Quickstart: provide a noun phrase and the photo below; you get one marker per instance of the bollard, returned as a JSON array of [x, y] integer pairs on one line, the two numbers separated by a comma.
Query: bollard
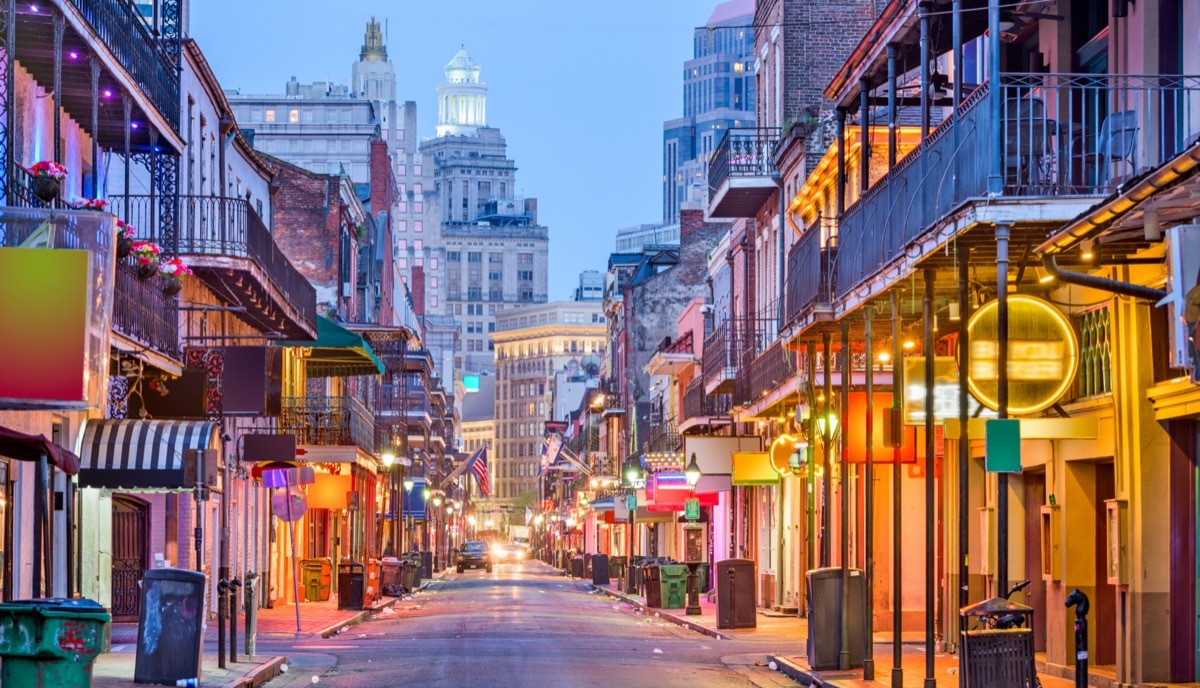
[[251, 602], [233, 603], [1080, 601], [222, 600]]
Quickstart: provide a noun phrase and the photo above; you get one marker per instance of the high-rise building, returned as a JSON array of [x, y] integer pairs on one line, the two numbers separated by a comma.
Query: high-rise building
[[718, 94], [493, 253], [533, 344], [591, 286]]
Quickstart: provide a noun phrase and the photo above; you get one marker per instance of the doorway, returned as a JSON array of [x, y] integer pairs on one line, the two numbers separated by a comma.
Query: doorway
[[130, 558], [1104, 606], [1035, 498]]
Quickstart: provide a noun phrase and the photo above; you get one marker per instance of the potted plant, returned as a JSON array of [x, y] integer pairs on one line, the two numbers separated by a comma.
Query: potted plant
[[146, 253], [98, 205], [125, 235], [47, 179], [174, 271]]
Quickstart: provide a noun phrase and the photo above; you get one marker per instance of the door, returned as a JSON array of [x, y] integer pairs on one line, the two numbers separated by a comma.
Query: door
[[1035, 498], [1103, 621], [130, 557]]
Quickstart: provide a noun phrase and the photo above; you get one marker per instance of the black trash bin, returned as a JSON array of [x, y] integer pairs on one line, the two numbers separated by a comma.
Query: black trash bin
[[737, 587], [351, 578], [426, 564], [996, 658], [600, 569], [170, 626], [653, 584], [824, 609], [577, 566], [616, 568]]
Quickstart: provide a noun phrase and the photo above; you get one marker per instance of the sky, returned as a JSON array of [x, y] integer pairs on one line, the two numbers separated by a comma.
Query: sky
[[579, 89]]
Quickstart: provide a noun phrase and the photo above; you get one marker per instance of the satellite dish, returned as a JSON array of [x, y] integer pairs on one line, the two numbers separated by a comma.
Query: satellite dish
[[279, 505]]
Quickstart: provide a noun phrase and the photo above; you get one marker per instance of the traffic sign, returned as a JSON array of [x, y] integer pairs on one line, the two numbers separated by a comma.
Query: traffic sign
[[631, 502]]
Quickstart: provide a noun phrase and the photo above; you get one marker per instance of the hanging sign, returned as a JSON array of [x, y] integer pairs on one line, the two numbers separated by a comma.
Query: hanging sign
[[691, 509], [631, 502], [1043, 354], [285, 511]]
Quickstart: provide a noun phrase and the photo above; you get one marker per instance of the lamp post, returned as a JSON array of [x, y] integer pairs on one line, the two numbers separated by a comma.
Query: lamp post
[[427, 493], [692, 473], [437, 536], [633, 473], [407, 541], [389, 459]]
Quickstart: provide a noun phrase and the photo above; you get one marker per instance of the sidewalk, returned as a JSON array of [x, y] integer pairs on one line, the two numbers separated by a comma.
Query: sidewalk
[[791, 633], [115, 670]]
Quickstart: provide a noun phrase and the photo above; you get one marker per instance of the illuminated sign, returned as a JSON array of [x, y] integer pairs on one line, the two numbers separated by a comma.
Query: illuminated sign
[[945, 391], [1042, 354]]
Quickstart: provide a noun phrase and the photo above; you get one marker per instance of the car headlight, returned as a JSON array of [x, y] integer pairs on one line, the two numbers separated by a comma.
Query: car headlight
[[519, 554], [497, 551]]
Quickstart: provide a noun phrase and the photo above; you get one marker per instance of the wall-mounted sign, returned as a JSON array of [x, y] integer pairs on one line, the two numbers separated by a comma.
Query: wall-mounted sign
[[945, 391], [1043, 354]]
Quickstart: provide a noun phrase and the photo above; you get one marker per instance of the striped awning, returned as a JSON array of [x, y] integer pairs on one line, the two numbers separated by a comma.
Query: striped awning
[[141, 453]]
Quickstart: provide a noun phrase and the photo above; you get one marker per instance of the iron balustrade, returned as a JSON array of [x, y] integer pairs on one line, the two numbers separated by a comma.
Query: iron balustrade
[[328, 421], [699, 404], [216, 226], [142, 313], [742, 152], [809, 275], [125, 34], [769, 370], [721, 359]]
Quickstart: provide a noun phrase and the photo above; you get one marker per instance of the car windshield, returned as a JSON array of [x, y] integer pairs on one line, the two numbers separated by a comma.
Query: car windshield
[[474, 547]]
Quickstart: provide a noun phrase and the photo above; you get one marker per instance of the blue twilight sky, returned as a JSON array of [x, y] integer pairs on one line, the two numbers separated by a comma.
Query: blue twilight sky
[[579, 89]]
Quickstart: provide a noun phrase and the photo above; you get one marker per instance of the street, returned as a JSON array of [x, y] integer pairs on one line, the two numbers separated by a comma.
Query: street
[[522, 625]]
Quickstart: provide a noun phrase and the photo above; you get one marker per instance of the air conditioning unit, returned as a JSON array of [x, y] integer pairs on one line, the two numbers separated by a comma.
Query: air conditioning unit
[[1183, 271]]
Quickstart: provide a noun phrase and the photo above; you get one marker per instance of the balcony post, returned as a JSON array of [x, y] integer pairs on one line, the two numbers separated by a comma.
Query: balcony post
[[844, 489], [995, 170], [59, 27], [956, 92], [841, 162], [827, 440], [6, 95], [964, 416], [925, 58], [810, 370], [95, 65], [930, 470], [897, 493], [127, 106], [869, 497], [864, 136], [891, 106], [1002, 237]]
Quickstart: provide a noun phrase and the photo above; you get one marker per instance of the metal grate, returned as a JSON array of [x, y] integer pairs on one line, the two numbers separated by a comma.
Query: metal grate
[[1095, 360]]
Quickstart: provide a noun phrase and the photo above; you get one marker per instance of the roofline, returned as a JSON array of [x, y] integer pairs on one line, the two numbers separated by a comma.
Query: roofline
[[213, 86], [893, 11]]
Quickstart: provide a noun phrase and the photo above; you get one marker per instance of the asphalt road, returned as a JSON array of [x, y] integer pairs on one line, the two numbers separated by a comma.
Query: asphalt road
[[522, 625]]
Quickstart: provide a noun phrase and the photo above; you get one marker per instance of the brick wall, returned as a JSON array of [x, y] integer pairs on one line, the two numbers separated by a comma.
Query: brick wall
[[384, 195]]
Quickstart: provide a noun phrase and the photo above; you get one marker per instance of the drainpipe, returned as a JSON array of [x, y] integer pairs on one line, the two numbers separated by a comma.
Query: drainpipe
[[1137, 291]]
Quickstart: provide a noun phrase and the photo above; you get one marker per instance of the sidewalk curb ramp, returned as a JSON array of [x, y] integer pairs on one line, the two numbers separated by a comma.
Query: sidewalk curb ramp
[[663, 614], [259, 675]]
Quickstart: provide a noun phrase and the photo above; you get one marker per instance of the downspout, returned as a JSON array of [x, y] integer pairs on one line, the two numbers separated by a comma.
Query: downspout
[[1137, 291], [779, 315]]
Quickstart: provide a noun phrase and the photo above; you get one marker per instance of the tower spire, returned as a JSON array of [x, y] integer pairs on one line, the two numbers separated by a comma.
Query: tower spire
[[373, 49]]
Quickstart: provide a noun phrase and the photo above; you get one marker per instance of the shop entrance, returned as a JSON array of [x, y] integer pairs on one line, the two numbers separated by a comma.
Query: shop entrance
[[130, 558]]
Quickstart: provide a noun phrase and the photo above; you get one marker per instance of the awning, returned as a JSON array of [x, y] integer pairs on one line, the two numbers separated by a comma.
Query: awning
[[602, 504], [141, 453], [338, 352], [22, 447]]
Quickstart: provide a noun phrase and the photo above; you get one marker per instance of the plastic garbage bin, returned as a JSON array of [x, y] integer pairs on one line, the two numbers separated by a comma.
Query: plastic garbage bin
[[372, 592], [316, 578], [351, 586], [577, 566], [417, 564], [616, 567], [391, 577], [653, 584], [824, 609], [51, 642], [170, 627], [673, 585], [736, 587]]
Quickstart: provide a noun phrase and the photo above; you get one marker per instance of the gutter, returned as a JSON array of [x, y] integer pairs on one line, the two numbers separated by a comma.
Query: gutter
[[1137, 291]]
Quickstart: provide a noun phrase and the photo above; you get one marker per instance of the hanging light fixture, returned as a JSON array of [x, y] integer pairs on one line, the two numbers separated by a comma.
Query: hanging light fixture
[[692, 472]]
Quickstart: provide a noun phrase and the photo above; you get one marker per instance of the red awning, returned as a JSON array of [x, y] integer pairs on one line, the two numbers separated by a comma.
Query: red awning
[[22, 447], [673, 500]]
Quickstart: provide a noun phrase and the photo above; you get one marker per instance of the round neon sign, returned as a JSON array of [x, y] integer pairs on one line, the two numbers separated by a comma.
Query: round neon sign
[[1043, 354]]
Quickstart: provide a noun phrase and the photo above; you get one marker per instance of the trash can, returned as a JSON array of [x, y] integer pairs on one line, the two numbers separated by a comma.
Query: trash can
[[170, 626], [616, 567], [51, 641], [600, 569], [316, 577], [673, 585], [702, 572], [996, 658], [824, 609], [577, 566], [416, 569], [350, 585], [373, 585], [391, 581], [426, 564], [652, 584], [737, 587]]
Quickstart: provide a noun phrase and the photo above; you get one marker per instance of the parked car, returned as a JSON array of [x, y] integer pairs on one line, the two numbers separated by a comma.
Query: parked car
[[474, 555]]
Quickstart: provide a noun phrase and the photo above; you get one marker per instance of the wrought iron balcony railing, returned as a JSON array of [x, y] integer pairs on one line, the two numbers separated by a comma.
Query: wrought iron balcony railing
[[742, 153], [721, 361], [143, 314], [220, 227], [328, 421], [809, 274], [151, 62], [699, 404], [769, 370]]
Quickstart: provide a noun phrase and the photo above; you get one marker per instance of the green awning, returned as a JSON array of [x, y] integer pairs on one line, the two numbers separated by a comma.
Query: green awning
[[338, 352]]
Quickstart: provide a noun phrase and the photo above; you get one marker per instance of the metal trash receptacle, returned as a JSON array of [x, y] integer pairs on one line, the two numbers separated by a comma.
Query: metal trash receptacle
[[824, 609], [996, 658], [426, 564], [600, 569], [673, 585], [736, 582], [391, 581], [170, 626], [51, 641], [577, 566], [351, 585], [616, 567], [653, 584], [316, 578]]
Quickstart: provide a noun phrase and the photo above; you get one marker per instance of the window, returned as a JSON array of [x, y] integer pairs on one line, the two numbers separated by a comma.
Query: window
[[526, 295], [417, 188], [418, 207], [495, 257], [418, 245], [433, 263], [491, 327], [402, 244], [308, 118], [402, 225], [270, 114], [418, 226], [454, 256], [433, 300], [495, 295], [293, 116], [495, 276], [433, 282], [525, 275], [474, 257], [416, 168], [402, 263]]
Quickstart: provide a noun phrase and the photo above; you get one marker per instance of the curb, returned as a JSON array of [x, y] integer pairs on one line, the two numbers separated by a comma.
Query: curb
[[799, 673], [356, 619], [677, 620], [259, 675]]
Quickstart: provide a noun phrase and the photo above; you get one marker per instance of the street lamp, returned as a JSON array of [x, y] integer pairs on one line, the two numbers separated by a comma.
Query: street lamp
[[827, 425], [633, 472], [692, 472], [388, 459]]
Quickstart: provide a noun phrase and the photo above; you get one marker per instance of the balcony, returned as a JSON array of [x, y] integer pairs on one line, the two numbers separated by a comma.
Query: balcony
[[741, 173], [328, 421], [1067, 139], [699, 406], [226, 243], [143, 315], [810, 279], [722, 359]]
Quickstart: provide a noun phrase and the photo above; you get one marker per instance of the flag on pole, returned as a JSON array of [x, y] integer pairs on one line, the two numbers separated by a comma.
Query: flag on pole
[[528, 515], [479, 466], [551, 446]]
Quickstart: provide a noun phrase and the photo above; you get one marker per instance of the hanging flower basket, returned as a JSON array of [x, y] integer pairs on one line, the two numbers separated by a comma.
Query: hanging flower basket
[[172, 287], [146, 254], [47, 179], [98, 205], [145, 272], [174, 271], [125, 234]]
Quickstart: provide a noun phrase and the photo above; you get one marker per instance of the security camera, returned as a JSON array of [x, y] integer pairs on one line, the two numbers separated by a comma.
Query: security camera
[[706, 308]]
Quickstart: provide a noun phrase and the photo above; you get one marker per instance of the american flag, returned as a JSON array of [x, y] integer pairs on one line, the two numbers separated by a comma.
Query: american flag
[[478, 464]]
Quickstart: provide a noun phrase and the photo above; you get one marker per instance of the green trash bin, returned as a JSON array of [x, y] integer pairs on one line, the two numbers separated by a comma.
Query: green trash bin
[[673, 579], [51, 642], [316, 577]]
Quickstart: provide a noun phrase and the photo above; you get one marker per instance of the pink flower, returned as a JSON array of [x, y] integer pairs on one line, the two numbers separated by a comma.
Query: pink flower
[[175, 269], [96, 204], [48, 168], [125, 231], [146, 252]]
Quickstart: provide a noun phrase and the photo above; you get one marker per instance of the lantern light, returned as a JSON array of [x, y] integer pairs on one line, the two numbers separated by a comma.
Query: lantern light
[[692, 472]]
